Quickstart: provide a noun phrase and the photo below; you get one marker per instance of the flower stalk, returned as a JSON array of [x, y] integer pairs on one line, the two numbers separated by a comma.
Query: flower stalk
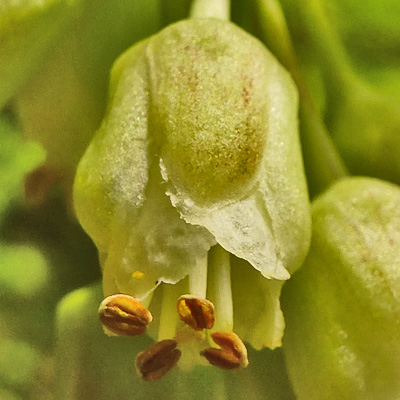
[[219, 9], [363, 122]]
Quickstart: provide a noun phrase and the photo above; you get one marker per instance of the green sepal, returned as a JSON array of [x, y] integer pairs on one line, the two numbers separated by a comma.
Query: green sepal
[[231, 167]]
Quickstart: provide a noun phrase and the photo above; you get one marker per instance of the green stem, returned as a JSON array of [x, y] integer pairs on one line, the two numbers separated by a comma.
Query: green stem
[[275, 33], [335, 62], [322, 161], [219, 9]]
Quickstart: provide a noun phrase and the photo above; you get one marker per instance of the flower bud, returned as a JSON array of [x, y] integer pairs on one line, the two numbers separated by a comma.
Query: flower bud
[[342, 308]]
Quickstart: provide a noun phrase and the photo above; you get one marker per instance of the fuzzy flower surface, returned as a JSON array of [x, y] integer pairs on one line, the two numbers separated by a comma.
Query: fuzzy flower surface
[[194, 182]]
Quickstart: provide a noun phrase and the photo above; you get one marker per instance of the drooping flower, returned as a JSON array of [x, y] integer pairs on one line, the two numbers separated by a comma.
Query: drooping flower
[[194, 186]]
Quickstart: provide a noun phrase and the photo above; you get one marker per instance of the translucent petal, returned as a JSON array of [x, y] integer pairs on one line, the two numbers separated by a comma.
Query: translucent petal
[[258, 317]]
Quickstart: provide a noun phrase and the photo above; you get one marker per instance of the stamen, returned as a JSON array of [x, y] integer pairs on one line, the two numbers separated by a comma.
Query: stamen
[[168, 317], [196, 312], [231, 355], [198, 277], [157, 360], [220, 358], [124, 315], [220, 291], [230, 341]]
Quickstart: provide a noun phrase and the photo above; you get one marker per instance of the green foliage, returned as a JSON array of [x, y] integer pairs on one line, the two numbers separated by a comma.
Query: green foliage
[[18, 362], [28, 29], [24, 271], [17, 158]]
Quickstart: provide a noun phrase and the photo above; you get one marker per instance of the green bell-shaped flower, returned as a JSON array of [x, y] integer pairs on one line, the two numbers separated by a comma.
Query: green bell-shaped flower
[[343, 307], [198, 159]]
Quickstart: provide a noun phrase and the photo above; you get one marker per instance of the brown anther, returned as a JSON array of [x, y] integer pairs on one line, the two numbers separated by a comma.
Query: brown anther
[[221, 358], [231, 355], [158, 359], [196, 312], [124, 315]]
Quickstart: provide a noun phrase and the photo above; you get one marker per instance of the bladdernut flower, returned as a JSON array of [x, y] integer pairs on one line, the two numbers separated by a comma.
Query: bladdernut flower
[[343, 307], [194, 185]]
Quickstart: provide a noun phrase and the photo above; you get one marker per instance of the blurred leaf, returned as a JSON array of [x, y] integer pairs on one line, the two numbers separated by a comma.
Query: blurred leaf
[[7, 395], [17, 157], [18, 362], [28, 28], [368, 27], [24, 271]]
